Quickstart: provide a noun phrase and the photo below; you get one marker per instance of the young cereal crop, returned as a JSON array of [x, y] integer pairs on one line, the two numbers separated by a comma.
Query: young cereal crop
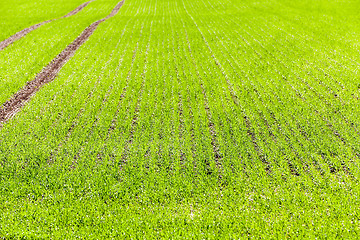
[[180, 119]]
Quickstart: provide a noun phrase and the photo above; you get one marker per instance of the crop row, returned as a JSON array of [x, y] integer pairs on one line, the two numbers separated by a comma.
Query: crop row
[[194, 119]]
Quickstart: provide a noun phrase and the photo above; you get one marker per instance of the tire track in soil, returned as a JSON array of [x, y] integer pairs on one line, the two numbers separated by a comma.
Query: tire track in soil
[[54, 124], [76, 120], [57, 118], [48, 74], [105, 97], [4, 44]]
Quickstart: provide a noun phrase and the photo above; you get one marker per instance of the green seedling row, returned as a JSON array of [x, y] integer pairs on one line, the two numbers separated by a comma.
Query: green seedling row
[[183, 119]]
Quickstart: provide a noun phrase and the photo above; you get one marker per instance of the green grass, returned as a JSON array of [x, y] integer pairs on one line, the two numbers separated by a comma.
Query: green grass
[[189, 119], [25, 58], [17, 15]]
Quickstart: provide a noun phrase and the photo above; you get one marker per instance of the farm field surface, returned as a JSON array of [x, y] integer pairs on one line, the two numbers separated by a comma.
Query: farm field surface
[[17, 15], [180, 119]]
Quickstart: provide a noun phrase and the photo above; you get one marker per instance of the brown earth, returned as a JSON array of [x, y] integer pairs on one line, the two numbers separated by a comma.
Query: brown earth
[[48, 74], [25, 31]]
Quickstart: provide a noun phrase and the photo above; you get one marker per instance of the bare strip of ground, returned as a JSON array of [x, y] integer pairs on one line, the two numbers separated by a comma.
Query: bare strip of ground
[[25, 31], [48, 74]]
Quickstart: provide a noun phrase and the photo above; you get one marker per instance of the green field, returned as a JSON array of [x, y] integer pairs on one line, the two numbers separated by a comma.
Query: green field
[[228, 119]]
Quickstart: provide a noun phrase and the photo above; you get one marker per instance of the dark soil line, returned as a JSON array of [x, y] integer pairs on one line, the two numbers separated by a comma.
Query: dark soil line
[[216, 149], [235, 100], [76, 120], [192, 133], [182, 128], [305, 167], [122, 96], [57, 119], [76, 10], [320, 97], [114, 121], [212, 129], [291, 166], [134, 123], [316, 93], [331, 127], [108, 92], [48, 74], [74, 123], [345, 168], [256, 146], [181, 120], [25, 31]]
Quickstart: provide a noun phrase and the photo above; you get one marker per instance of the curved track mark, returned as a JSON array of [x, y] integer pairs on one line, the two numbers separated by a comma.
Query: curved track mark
[[48, 74], [25, 31]]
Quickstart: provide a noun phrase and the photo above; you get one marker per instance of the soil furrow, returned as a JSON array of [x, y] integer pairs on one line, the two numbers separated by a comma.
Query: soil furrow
[[48, 74], [90, 94], [25, 31], [114, 121]]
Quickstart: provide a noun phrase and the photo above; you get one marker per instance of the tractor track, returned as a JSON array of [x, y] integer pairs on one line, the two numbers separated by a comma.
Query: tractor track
[[4, 44], [48, 74]]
